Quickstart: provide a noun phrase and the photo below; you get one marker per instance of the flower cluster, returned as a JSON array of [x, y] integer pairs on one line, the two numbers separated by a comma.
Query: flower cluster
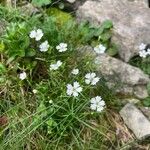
[[37, 35], [72, 89], [143, 52]]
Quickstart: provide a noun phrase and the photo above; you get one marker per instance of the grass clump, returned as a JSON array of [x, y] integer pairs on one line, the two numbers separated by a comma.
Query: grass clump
[[44, 105]]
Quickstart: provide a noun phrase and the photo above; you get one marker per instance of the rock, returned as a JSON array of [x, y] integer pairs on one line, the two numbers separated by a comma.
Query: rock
[[130, 100], [146, 111], [127, 79], [71, 1], [123, 78], [72, 5], [131, 22], [140, 3], [29, 9], [136, 121], [140, 91]]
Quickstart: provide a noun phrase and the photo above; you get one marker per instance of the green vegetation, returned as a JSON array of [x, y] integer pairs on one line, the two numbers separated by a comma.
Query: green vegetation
[[36, 111]]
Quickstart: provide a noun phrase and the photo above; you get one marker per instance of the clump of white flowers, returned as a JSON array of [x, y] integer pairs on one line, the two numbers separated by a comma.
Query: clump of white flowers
[[100, 49], [62, 47], [74, 89], [91, 78], [97, 104], [36, 34], [44, 46], [23, 75], [75, 71], [56, 65], [143, 52]]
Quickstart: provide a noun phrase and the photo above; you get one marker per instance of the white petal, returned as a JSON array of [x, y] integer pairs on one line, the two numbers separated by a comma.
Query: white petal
[[79, 89], [88, 75], [93, 100], [75, 94], [87, 81], [59, 63], [69, 92], [76, 85], [39, 34], [101, 103], [69, 86], [32, 34], [142, 46], [93, 106], [93, 75], [95, 80], [99, 109], [98, 99]]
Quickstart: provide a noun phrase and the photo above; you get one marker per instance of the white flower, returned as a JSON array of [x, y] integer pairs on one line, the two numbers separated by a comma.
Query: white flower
[[74, 89], [75, 71], [100, 49], [143, 53], [62, 47], [44, 46], [97, 103], [22, 75], [34, 91], [55, 66], [148, 51], [142, 46], [37, 34], [91, 78]]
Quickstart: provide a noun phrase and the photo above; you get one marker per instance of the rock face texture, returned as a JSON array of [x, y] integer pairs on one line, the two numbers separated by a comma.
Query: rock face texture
[[131, 19], [127, 79], [123, 78], [136, 121]]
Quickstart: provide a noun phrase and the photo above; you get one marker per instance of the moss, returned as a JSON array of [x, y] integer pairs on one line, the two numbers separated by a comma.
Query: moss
[[60, 16]]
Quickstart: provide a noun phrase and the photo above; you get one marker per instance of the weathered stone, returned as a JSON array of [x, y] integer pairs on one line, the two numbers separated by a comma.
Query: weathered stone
[[29, 9], [136, 121], [127, 79], [140, 3], [126, 73], [146, 111], [123, 78], [131, 22], [71, 1], [140, 91]]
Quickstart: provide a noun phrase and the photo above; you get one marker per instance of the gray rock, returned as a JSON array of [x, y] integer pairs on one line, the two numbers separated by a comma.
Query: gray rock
[[131, 22], [136, 121], [127, 79], [146, 111], [71, 1], [121, 77], [29, 9]]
